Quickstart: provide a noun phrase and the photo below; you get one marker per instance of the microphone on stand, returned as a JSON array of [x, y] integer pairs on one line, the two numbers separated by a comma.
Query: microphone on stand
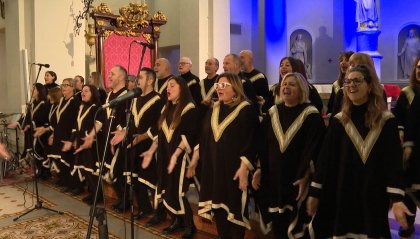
[[148, 45], [128, 96], [44, 65]]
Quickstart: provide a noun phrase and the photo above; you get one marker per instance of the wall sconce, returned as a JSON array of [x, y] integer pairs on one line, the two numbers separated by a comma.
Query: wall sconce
[[90, 36]]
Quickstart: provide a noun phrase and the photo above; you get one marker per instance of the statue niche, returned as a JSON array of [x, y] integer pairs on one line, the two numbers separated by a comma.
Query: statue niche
[[301, 49], [408, 50]]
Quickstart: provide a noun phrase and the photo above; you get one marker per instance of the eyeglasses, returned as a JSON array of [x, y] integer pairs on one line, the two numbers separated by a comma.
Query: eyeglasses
[[356, 81], [184, 63], [221, 85], [65, 85]]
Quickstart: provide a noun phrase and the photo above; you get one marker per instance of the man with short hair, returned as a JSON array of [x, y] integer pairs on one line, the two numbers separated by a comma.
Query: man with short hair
[[258, 79], [146, 111], [114, 158], [232, 64], [207, 89], [184, 69], [131, 82], [162, 68]]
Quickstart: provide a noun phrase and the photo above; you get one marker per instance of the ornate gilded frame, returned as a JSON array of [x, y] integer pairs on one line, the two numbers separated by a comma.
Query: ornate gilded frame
[[134, 20]]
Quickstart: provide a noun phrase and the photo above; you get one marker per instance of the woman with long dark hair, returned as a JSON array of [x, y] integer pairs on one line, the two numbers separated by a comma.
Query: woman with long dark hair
[[338, 84], [359, 170], [83, 135], [36, 116], [407, 112], [227, 155], [44, 131], [177, 132]]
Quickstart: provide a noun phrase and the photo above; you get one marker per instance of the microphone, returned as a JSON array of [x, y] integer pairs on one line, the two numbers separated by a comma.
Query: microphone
[[44, 65], [127, 96], [148, 45]]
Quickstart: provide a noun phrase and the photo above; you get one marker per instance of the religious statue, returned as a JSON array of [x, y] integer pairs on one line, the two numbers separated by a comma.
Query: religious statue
[[298, 49], [366, 14], [409, 52]]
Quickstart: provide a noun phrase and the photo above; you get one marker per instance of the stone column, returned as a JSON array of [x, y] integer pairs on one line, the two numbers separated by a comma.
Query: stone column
[[367, 42]]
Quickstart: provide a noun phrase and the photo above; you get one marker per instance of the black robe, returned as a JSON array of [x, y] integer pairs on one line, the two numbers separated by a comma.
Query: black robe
[[259, 82], [38, 117], [249, 91], [359, 171], [171, 188], [272, 98], [403, 104], [330, 107], [160, 87], [412, 139], [292, 139], [146, 112], [66, 115], [193, 84], [208, 93], [113, 161], [87, 159], [227, 139], [52, 120], [102, 95], [50, 86]]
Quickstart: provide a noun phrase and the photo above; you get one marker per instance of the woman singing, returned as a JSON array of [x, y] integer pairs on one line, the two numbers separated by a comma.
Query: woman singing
[[359, 169], [293, 133], [176, 136], [83, 135], [37, 116], [227, 152]]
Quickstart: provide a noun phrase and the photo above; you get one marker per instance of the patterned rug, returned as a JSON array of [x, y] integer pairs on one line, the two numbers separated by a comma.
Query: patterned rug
[[54, 226], [156, 230], [17, 176], [15, 199]]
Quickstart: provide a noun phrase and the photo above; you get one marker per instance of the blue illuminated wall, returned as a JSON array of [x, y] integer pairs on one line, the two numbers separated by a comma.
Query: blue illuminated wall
[[332, 26], [283, 17], [275, 36], [393, 17]]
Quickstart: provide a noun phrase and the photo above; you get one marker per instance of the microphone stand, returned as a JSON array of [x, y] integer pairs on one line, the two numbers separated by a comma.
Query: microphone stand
[[100, 212], [38, 204], [128, 139]]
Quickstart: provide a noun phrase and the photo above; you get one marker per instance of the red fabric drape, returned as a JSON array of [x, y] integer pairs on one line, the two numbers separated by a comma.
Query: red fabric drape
[[116, 51]]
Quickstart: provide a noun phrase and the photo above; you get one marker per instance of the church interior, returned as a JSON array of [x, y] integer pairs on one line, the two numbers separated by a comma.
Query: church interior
[[78, 37]]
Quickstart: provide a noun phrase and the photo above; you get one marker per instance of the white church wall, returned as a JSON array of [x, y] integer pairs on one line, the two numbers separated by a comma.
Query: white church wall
[[55, 41]]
